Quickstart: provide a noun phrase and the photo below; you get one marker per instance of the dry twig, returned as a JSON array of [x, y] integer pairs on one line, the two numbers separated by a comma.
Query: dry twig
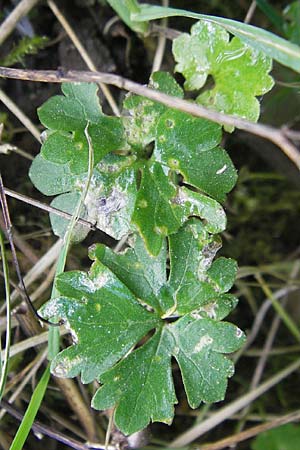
[[274, 135], [45, 207]]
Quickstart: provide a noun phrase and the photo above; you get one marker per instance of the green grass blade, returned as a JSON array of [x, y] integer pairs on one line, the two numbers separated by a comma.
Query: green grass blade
[[4, 363], [285, 317], [31, 412], [271, 13], [283, 51], [53, 341], [124, 10]]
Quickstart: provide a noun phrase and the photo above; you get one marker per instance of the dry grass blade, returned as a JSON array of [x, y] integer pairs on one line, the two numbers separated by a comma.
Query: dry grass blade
[[83, 53], [11, 21], [251, 432], [39, 268], [233, 407], [8, 231], [38, 362], [20, 115]]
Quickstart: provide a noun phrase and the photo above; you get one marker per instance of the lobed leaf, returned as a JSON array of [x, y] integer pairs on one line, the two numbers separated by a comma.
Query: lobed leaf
[[112, 195], [140, 386], [143, 114], [156, 215], [117, 201], [107, 312], [272, 45], [189, 145], [143, 274], [66, 118], [195, 280], [195, 283], [199, 347], [51, 178], [68, 203], [240, 73], [105, 318]]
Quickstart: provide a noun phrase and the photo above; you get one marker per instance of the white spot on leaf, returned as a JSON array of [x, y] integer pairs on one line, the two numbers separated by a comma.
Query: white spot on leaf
[[239, 333], [204, 342], [222, 170]]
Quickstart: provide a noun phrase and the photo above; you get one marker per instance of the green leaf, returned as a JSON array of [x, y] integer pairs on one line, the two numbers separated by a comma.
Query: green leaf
[[118, 200], [143, 274], [51, 178], [240, 73], [292, 19], [286, 437], [199, 347], [271, 13], [112, 195], [126, 295], [67, 116], [186, 145], [274, 46], [208, 209], [195, 280], [218, 309], [189, 145], [141, 386], [124, 10], [110, 200], [223, 273], [67, 203], [105, 318], [156, 214], [140, 125]]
